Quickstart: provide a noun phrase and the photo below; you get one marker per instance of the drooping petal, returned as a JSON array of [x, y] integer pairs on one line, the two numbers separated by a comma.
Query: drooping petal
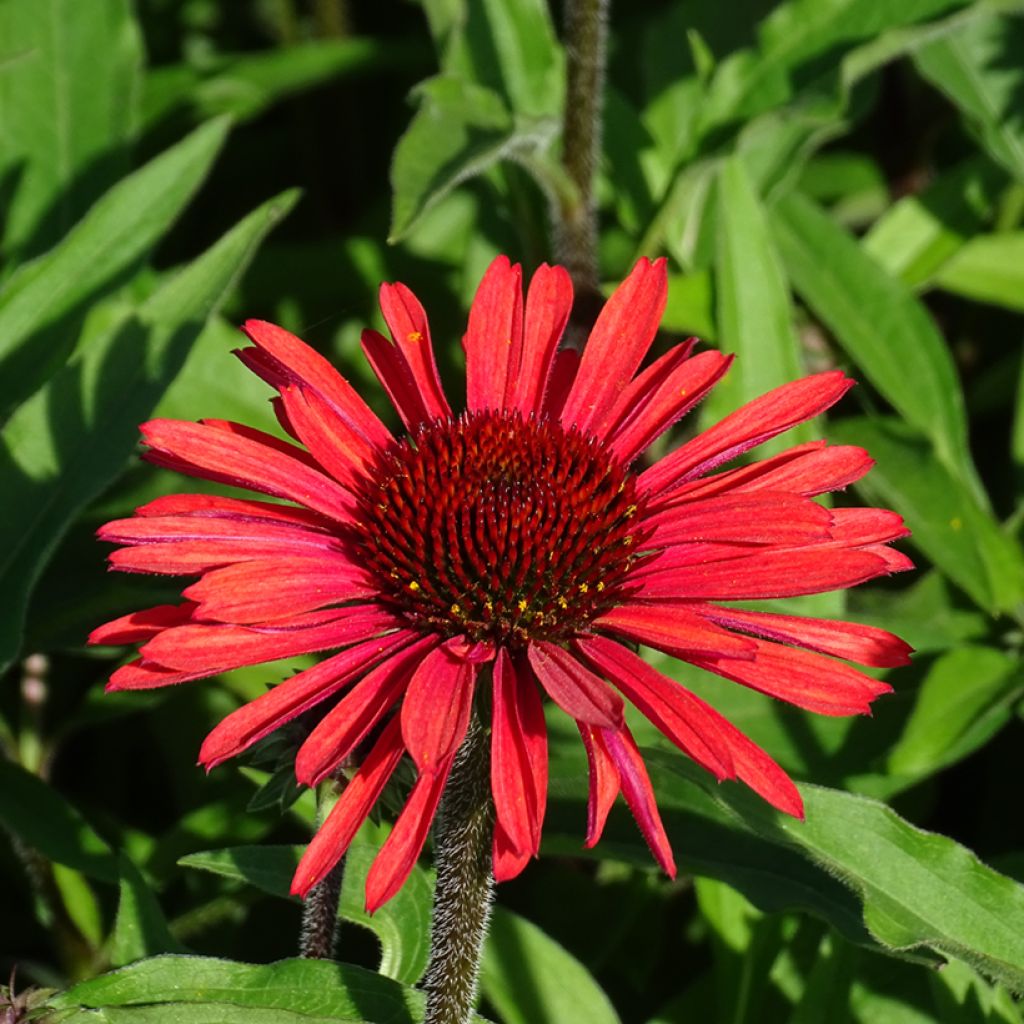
[[137, 627], [276, 588], [200, 450], [494, 337], [666, 401], [756, 517], [436, 708], [860, 527], [217, 647], [804, 678], [674, 629], [142, 675], [866, 645], [618, 343], [348, 723], [519, 755], [508, 862], [548, 304], [291, 698], [398, 855], [604, 783], [678, 714], [292, 361], [575, 689], [749, 426], [636, 788], [352, 808], [242, 510]]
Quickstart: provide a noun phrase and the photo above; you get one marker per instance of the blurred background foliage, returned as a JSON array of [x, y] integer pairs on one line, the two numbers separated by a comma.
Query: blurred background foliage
[[835, 183]]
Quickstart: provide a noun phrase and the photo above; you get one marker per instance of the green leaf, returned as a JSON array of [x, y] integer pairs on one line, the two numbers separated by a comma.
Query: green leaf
[[947, 521], [989, 268], [531, 979], [41, 818], [245, 84], [690, 309], [320, 988], [460, 131], [140, 929], [73, 437], [402, 925], [919, 233], [882, 327], [977, 69], [966, 696], [41, 304], [755, 320], [67, 111]]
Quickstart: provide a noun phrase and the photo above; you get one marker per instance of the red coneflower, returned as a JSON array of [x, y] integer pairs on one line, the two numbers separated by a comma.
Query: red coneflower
[[519, 544]]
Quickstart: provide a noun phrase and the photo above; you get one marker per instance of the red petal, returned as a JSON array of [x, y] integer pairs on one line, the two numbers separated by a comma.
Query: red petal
[[237, 509], [396, 377], [276, 588], [407, 322], [673, 629], [604, 783], [142, 675], [636, 788], [294, 362], [758, 517], [548, 303], [519, 755], [251, 722], [650, 412], [209, 649], [494, 337], [618, 343], [345, 726], [508, 862], [348, 814], [751, 425], [676, 712], [803, 678], [212, 454], [863, 644], [854, 527], [332, 441], [762, 574], [398, 855], [575, 689], [139, 626], [435, 711], [563, 373]]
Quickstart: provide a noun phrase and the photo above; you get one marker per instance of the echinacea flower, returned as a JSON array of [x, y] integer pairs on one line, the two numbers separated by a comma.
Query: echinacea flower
[[519, 545]]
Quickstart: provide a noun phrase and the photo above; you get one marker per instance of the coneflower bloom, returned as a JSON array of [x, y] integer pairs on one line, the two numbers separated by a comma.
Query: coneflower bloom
[[520, 545]]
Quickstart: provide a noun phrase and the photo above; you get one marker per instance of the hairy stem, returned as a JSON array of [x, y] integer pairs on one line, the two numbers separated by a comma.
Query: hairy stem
[[320, 916], [465, 883], [586, 23]]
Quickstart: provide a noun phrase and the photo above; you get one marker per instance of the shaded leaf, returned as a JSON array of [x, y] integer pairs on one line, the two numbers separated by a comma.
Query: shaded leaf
[[72, 438], [140, 929], [988, 268]]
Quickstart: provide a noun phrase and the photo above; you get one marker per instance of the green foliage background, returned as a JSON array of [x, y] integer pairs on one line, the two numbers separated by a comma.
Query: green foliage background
[[835, 183]]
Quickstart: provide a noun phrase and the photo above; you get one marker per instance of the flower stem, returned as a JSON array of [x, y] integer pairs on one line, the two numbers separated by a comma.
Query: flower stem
[[320, 916], [465, 883], [586, 23]]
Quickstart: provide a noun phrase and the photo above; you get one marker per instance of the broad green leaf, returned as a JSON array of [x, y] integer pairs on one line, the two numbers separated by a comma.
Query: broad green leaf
[[67, 111], [402, 925], [690, 308], [140, 929], [41, 818], [72, 438], [988, 268], [965, 697], [41, 304], [919, 233], [976, 70], [320, 988], [244, 85], [80, 903], [882, 327], [200, 1013], [946, 520], [755, 320], [531, 979]]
